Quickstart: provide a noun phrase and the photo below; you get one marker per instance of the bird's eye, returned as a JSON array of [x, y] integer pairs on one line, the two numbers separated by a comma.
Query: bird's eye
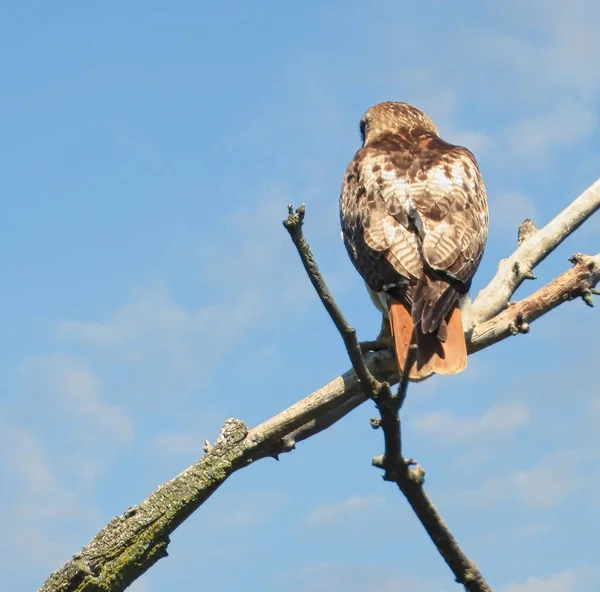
[[363, 127]]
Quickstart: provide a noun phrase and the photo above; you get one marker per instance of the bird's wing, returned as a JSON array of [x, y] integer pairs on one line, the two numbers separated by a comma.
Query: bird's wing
[[450, 210], [375, 226]]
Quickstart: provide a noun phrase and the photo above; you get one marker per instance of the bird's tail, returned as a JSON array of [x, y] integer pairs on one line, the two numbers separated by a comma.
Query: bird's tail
[[433, 355], [403, 332]]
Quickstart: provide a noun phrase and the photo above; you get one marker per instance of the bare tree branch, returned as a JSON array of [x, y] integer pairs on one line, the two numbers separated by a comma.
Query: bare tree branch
[[396, 467], [514, 270], [131, 543], [293, 225], [579, 281]]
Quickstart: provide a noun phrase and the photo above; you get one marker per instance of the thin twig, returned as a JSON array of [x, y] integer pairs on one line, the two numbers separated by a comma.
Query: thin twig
[[293, 224], [396, 467]]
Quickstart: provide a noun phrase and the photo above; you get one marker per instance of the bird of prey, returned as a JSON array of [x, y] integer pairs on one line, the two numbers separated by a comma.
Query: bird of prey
[[414, 219]]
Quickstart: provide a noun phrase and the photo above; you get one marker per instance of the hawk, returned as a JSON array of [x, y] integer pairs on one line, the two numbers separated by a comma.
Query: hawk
[[414, 219]]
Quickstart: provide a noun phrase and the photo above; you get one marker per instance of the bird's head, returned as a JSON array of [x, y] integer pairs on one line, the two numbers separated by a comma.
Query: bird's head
[[393, 118]]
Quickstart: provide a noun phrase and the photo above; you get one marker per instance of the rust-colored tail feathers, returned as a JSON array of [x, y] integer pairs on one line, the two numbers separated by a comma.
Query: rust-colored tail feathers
[[444, 357]]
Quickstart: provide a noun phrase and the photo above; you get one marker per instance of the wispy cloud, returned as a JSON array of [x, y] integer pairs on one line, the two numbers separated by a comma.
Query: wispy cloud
[[509, 209], [534, 529], [246, 278], [566, 581], [40, 508], [541, 487], [344, 510], [532, 140], [155, 328], [499, 421], [246, 509], [332, 577], [76, 389], [180, 443], [540, 84]]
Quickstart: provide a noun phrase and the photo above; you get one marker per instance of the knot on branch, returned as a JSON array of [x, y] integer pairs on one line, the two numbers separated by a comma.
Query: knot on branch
[[527, 273], [232, 433], [286, 444], [592, 276], [132, 511], [584, 260], [520, 325], [526, 229], [416, 472]]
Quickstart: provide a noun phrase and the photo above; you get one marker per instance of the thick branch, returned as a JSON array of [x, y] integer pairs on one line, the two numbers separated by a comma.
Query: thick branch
[[534, 249], [131, 543]]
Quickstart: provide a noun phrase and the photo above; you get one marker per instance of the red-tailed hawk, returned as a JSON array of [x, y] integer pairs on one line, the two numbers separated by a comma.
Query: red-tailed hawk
[[414, 220]]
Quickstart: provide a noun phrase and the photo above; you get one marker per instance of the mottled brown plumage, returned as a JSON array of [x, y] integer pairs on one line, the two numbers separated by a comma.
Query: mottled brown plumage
[[414, 220]]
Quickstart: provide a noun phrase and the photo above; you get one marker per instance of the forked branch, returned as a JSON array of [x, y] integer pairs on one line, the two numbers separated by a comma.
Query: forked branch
[[533, 249]]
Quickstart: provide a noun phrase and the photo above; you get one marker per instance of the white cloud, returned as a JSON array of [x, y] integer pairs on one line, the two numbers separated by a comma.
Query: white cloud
[[331, 577], [356, 505], [565, 581], [499, 421], [542, 487], [40, 507], [509, 209], [151, 313], [74, 387], [155, 328], [246, 509], [529, 75], [546, 485], [24, 458], [249, 274], [53, 462], [548, 65], [532, 139], [534, 529], [176, 443], [187, 444]]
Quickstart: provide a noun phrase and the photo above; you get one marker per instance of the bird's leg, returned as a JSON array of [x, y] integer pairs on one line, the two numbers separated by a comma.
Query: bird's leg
[[384, 340]]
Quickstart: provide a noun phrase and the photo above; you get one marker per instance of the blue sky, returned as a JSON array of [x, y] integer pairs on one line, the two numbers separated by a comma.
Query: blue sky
[[149, 291]]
